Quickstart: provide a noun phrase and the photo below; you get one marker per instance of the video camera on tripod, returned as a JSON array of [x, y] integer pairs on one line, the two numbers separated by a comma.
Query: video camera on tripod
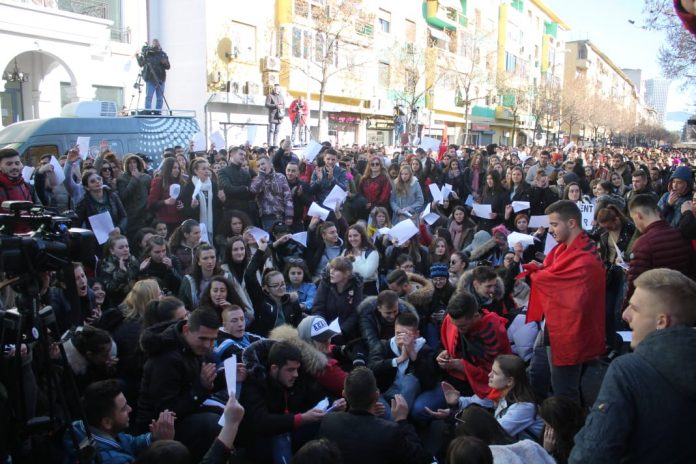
[[49, 244]]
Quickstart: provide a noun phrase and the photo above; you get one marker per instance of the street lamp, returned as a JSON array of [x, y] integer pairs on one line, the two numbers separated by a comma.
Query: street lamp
[[15, 75]]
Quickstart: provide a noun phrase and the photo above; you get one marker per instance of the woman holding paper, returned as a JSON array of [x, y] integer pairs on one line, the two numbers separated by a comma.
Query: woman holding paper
[[494, 195], [406, 197], [364, 256], [520, 191], [97, 200], [165, 190], [201, 198]]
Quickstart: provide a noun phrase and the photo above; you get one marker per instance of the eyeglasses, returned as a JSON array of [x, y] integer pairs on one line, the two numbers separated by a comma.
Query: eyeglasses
[[106, 169]]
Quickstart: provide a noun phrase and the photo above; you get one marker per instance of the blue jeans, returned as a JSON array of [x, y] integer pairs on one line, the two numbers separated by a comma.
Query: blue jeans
[[408, 387], [431, 333], [150, 89], [433, 399]]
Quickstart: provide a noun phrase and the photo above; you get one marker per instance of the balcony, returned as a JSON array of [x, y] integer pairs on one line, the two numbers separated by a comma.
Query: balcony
[[582, 64]]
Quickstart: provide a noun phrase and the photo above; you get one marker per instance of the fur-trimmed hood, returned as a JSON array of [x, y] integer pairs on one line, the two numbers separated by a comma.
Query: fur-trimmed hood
[[313, 360], [423, 290], [78, 363], [482, 251], [139, 160], [465, 284]]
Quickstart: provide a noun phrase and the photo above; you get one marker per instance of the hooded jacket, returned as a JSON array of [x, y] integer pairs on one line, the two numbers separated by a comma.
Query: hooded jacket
[[171, 375], [371, 322], [330, 304], [645, 408], [324, 369], [672, 213], [133, 192], [484, 341], [270, 408]]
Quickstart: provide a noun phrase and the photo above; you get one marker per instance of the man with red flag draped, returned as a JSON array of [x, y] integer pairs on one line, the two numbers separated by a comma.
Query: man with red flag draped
[[568, 291]]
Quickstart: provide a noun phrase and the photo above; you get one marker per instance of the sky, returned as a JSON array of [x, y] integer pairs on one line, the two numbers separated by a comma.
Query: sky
[[606, 24]]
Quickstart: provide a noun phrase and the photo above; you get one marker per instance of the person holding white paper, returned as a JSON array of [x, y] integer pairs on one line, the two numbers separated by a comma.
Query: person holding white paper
[[324, 243], [493, 194], [12, 185], [519, 190], [365, 258], [46, 180], [167, 209], [100, 199], [324, 178], [406, 199], [207, 202]]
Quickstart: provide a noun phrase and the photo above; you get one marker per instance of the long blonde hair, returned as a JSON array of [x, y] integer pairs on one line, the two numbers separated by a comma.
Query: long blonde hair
[[401, 187], [143, 292]]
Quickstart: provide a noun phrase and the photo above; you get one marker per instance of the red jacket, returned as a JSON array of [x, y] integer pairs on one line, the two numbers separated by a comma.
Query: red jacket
[[659, 246], [303, 114], [377, 190], [155, 203], [569, 292], [484, 342]]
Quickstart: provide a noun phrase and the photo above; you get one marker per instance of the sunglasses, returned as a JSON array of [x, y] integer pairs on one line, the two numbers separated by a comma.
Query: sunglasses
[[106, 168], [295, 260], [375, 164], [276, 285]]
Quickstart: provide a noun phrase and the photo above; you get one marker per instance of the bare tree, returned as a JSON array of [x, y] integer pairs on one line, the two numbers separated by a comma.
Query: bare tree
[[514, 95], [574, 105], [342, 38], [677, 56], [545, 105]]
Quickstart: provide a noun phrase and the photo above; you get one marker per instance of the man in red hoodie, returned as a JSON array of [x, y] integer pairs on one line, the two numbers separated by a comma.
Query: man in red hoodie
[[568, 290], [472, 339]]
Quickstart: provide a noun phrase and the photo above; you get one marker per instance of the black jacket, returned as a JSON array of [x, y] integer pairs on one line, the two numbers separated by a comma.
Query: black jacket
[[168, 277], [330, 304], [316, 246], [235, 182], [423, 368], [300, 201], [539, 199], [270, 409], [111, 203], [266, 310], [171, 375], [366, 439], [371, 322]]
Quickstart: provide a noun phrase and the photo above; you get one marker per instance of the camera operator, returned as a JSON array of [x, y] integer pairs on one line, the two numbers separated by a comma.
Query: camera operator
[[12, 185], [276, 112], [299, 111], [154, 62]]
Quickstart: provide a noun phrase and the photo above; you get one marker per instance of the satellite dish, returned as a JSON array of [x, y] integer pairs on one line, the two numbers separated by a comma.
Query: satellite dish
[[224, 49]]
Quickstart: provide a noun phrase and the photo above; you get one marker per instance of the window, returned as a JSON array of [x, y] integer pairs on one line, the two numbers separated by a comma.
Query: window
[[383, 74], [107, 93], [510, 62], [319, 47], [296, 42], [306, 44], [582, 52], [410, 31], [384, 21]]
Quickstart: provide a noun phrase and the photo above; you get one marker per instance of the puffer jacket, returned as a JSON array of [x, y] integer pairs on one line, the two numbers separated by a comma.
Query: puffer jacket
[[371, 323], [325, 369], [171, 375], [133, 192], [330, 304]]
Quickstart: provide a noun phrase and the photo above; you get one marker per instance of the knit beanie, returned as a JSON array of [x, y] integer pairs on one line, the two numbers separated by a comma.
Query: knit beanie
[[439, 270]]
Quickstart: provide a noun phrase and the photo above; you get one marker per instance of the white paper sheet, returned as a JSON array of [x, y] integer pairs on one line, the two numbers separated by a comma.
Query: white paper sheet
[[626, 335], [550, 244], [57, 170], [587, 210], [27, 171], [317, 211], [311, 151], [322, 405], [259, 234], [446, 190], [469, 201], [620, 259], [538, 221], [524, 239], [301, 238], [403, 231], [231, 374], [204, 232], [383, 231], [102, 225], [523, 157], [335, 197], [198, 141], [83, 144], [482, 211], [436, 193], [429, 217], [174, 191], [429, 143], [217, 139], [518, 206]]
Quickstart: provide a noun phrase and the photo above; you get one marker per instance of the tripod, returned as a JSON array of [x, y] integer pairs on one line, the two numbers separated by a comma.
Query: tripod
[[137, 85], [33, 328], [149, 75]]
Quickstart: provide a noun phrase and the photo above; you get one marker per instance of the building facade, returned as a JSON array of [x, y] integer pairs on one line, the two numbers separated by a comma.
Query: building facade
[[656, 94]]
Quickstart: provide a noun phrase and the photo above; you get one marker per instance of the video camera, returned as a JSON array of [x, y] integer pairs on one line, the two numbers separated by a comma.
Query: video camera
[[147, 50], [49, 243]]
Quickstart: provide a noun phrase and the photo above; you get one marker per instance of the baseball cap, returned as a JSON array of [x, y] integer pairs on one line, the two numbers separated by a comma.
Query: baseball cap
[[320, 330]]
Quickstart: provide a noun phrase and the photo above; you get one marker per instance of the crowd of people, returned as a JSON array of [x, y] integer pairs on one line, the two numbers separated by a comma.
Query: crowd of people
[[449, 309]]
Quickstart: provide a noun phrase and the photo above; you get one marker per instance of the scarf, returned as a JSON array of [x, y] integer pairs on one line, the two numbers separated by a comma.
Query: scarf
[[457, 232], [205, 200]]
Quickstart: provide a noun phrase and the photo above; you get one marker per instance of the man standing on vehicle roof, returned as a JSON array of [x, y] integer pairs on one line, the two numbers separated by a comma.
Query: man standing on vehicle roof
[[154, 62]]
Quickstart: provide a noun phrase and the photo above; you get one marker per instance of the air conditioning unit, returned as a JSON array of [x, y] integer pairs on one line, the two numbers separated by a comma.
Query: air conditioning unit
[[270, 63], [90, 109], [252, 88], [271, 78]]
